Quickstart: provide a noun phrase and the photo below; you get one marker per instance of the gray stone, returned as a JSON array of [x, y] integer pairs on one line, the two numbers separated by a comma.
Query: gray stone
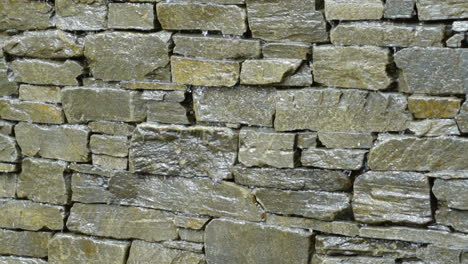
[[306, 140], [332, 139], [83, 104], [9, 152], [205, 72], [131, 16], [21, 260], [153, 85], [293, 179], [343, 159], [8, 185], [462, 118], [190, 222], [352, 67], [68, 142], [168, 112], [46, 71], [447, 175], [81, 15], [70, 248], [44, 180], [186, 151], [194, 196], [19, 110], [438, 75], [9, 88], [87, 188], [24, 243], [111, 128], [25, 15], [439, 10], [454, 218], [302, 77], [433, 107], [216, 47], [318, 259], [6, 127], [388, 34], [434, 127], [191, 235], [233, 242], [9, 167], [397, 197], [44, 44], [340, 110], [453, 193], [23, 214], [90, 169], [419, 154], [162, 95], [456, 41], [297, 20], [122, 222], [144, 252], [116, 56], [267, 71], [184, 245], [399, 9], [49, 94], [299, 51], [460, 26], [434, 254], [354, 9], [110, 162], [116, 146], [265, 147], [229, 19], [312, 204]]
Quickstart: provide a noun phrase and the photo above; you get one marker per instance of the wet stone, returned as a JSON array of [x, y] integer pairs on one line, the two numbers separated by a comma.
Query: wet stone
[[24, 243], [455, 218], [116, 146], [9, 151], [46, 71], [168, 112], [440, 10], [453, 193], [110, 162], [87, 188], [144, 252], [25, 15], [267, 71], [81, 15], [299, 51], [462, 118], [38, 112], [111, 128], [434, 127], [342, 159], [346, 139], [399, 9], [50, 94], [8, 185], [131, 16], [433, 107], [353, 9]]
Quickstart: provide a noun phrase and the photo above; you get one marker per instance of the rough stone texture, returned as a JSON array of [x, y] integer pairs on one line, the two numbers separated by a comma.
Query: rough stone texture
[[462, 118], [9, 152], [286, 50], [81, 15], [340, 110], [189, 222], [111, 128], [456, 41], [7, 185], [191, 235], [439, 10], [229, 19], [352, 67], [388, 34], [353, 9], [21, 260], [122, 222], [453, 193], [87, 188], [110, 162], [27, 215], [432, 71], [215, 47], [294, 20], [25, 15], [460, 26], [346, 140], [116, 146], [312, 204], [8, 167], [306, 140], [433, 107], [434, 127], [46, 71], [184, 245], [442, 255], [131, 16], [447, 175], [68, 142], [49, 94], [187, 151], [204, 72], [419, 154], [195, 196], [343, 159], [69, 248], [244, 105], [144, 252], [235, 242], [44, 180], [454, 218], [168, 112], [397, 197], [399, 9], [318, 259], [267, 71], [153, 85], [24, 243], [18, 110], [265, 147]]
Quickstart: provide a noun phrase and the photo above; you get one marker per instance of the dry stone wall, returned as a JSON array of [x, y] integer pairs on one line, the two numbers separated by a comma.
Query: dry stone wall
[[234, 131]]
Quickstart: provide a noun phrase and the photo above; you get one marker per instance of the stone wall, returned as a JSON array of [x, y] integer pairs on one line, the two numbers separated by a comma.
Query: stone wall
[[234, 131]]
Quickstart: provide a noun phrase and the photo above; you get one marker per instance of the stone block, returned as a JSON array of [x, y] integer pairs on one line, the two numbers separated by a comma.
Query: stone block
[[9, 151], [144, 252], [267, 71], [25, 15], [131, 16], [331, 139], [453, 193], [116, 146], [49, 94], [433, 107], [24, 243], [440, 10], [81, 15], [30, 111], [342, 159], [354, 9], [50, 72]]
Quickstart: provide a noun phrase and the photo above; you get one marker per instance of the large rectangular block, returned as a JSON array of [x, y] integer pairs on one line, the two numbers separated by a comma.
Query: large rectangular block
[[46, 71], [440, 10], [433, 107], [24, 243], [268, 71], [38, 112], [81, 15], [452, 193], [131, 16], [342, 159], [354, 9], [49, 94], [89, 188], [25, 15], [116, 146]]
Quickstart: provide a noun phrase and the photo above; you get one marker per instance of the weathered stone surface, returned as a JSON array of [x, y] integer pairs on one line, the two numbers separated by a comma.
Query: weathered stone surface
[[441, 255], [312, 204], [7, 185], [43, 180], [116, 146], [456, 41], [244, 105], [21, 260], [68, 142], [193, 196], [340, 110], [25, 15], [186, 151], [111, 128], [70, 248], [432, 71], [353, 9], [454, 218], [9, 88], [265, 147], [222, 2], [23, 214], [460, 26], [433, 107], [216, 47], [50, 94], [122, 222], [352, 67], [462, 118], [131, 16], [9, 152], [299, 51], [46, 71], [13, 109], [439, 10], [168, 112], [83, 104], [294, 179], [397, 197], [399, 9], [447, 175], [229, 19], [419, 154], [388, 34], [332, 139], [91, 169], [453, 193], [6, 127], [115, 56], [81, 15], [302, 77], [204, 72], [8, 167], [343, 159], [297, 20], [44, 44], [229, 241], [110, 162], [191, 235], [24, 243], [318, 259], [434, 127], [162, 95], [306, 140], [267, 71], [87, 188], [144, 252], [153, 85], [184, 245], [190, 222]]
